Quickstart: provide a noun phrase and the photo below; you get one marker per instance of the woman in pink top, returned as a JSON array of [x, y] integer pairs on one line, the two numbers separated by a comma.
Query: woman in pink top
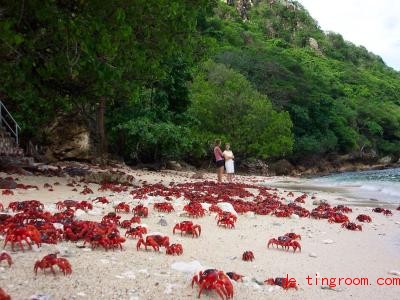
[[219, 159]]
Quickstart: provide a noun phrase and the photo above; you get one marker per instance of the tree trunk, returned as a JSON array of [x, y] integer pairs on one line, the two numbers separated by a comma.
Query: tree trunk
[[102, 146]]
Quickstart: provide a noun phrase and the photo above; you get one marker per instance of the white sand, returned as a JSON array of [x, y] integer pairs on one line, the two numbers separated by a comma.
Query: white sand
[[130, 274]]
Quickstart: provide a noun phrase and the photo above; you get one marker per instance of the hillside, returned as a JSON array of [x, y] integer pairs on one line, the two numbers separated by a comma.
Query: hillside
[[155, 84]]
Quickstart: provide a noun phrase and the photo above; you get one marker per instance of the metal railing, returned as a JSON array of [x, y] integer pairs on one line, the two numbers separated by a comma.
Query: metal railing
[[13, 128]]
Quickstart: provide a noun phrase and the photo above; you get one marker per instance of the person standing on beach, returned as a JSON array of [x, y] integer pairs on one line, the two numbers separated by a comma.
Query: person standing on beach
[[229, 163], [219, 160]]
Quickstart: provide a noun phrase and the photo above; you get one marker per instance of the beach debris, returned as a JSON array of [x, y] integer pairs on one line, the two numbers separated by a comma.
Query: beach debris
[[394, 272], [312, 254], [294, 216], [248, 256], [40, 297], [213, 279], [162, 222], [330, 288], [188, 227], [328, 241]]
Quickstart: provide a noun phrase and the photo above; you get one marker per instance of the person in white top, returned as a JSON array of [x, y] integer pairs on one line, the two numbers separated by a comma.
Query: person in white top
[[229, 163]]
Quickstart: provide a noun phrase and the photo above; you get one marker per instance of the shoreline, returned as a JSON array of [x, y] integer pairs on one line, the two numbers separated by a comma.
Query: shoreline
[[131, 274]]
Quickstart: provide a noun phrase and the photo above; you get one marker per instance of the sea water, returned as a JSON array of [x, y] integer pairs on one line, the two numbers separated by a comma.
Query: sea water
[[380, 185]]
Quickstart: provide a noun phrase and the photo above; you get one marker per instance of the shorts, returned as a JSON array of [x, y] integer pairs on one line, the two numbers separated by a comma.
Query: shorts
[[220, 163]]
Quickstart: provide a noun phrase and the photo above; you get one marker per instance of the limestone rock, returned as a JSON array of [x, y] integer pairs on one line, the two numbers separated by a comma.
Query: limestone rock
[[282, 167], [68, 138], [174, 165], [385, 160]]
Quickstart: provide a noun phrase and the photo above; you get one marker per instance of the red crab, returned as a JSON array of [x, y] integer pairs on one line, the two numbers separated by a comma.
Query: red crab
[[293, 236], [290, 194], [283, 213], [19, 234], [155, 241], [226, 219], [378, 209], [86, 190], [364, 218], [188, 227], [213, 279], [102, 200], [352, 226], [111, 218], [140, 211], [122, 207], [7, 192], [387, 212], [174, 249], [285, 242], [248, 255], [125, 224], [235, 276], [398, 208], [136, 232], [342, 208], [4, 295], [227, 222], [136, 219], [282, 282], [164, 207], [49, 261], [194, 209], [5, 256], [47, 186], [338, 218]]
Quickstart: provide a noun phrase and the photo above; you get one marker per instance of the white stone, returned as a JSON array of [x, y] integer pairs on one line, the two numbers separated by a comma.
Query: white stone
[[327, 241], [129, 274], [228, 207], [187, 267]]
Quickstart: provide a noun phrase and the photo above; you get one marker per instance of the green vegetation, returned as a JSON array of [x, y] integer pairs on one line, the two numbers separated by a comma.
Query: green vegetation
[[161, 79]]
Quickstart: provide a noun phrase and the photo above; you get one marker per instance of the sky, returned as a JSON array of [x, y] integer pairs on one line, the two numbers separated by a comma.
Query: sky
[[374, 24]]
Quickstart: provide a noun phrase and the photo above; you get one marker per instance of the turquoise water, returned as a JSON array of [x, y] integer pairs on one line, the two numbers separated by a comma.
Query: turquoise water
[[381, 185]]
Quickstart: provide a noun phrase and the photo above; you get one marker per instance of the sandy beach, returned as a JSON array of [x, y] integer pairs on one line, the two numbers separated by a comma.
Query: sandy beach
[[328, 250]]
